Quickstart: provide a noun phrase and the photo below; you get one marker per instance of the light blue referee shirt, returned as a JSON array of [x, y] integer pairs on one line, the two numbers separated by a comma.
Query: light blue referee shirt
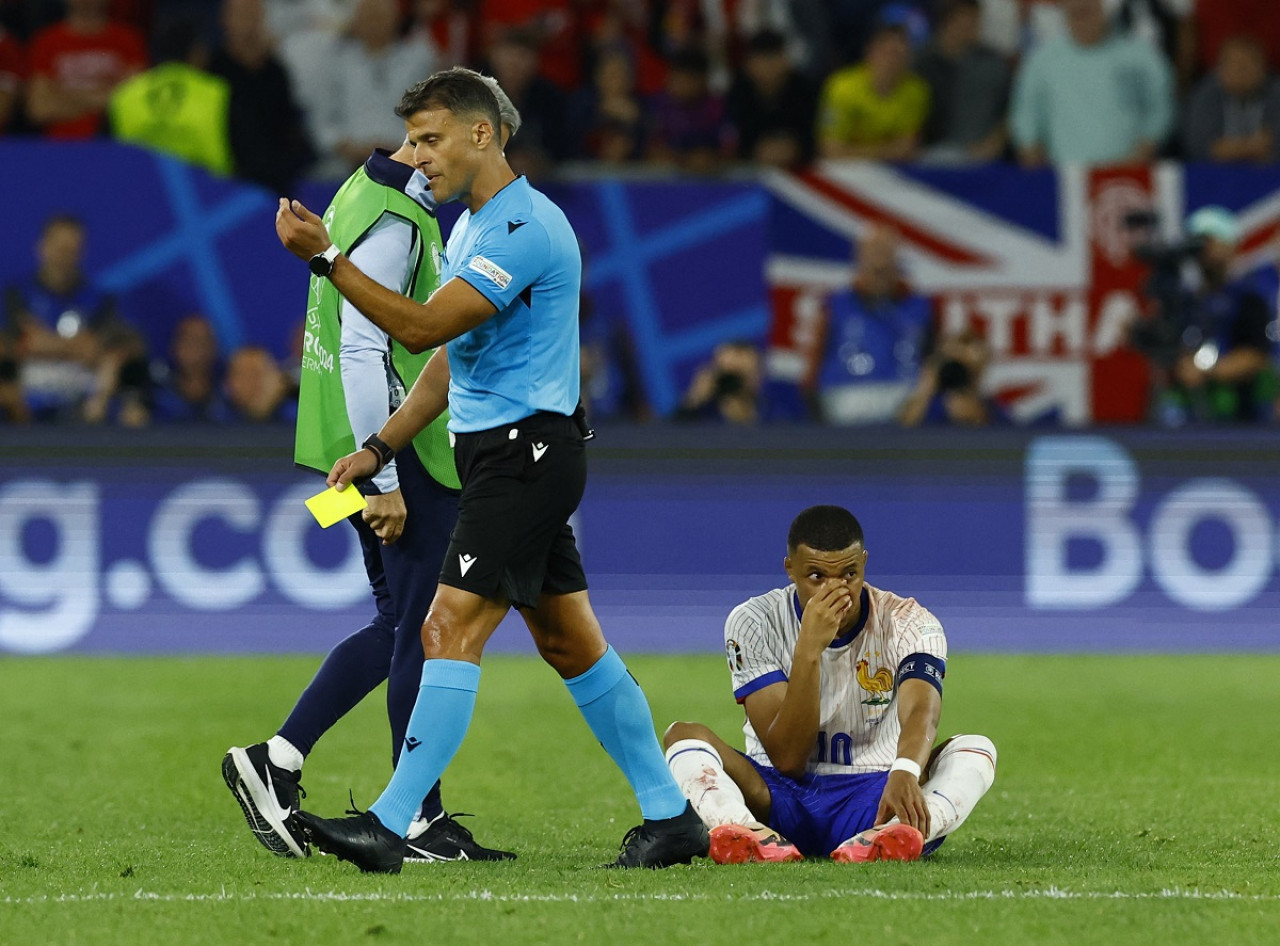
[[520, 252]]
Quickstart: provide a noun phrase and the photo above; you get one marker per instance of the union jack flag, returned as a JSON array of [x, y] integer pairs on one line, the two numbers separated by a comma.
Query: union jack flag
[[1039, 262]]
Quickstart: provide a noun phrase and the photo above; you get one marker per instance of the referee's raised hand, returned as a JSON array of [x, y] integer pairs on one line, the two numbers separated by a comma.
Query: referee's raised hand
[[302, 232]]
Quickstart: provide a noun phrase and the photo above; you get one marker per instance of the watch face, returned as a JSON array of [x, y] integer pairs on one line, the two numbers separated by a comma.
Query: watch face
[[321, 266]]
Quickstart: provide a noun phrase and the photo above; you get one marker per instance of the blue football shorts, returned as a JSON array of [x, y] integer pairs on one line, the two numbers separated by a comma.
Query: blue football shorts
[[818, 813]]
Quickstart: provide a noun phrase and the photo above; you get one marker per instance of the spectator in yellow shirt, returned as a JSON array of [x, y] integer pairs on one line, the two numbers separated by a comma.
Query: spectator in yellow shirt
[[874, 109]]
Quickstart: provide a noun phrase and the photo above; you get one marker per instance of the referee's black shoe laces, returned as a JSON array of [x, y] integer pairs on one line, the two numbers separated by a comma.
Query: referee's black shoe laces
[[360, 839]]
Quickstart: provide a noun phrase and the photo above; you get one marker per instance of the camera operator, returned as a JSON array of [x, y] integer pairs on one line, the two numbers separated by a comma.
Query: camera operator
[[727, 388], [949, 389], [1224, 360]]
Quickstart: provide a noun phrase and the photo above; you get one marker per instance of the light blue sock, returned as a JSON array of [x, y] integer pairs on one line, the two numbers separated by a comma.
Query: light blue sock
[[446, 700], [615, 708]]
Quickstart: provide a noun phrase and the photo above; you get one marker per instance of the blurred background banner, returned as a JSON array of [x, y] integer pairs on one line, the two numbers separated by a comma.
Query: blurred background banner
[[1039, 263], [680, 262], [173, 541]]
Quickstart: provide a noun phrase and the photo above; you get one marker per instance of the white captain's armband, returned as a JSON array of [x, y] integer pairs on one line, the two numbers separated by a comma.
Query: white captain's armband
[[925, 667]]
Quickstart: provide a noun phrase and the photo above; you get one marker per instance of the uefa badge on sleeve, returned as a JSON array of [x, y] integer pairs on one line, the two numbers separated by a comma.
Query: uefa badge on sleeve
[[734, 653]]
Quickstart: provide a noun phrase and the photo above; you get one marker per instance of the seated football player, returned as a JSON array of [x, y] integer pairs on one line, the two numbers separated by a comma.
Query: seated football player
[[842, 687]]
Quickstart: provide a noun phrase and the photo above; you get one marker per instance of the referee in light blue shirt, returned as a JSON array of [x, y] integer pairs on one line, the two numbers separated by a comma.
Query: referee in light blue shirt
[[507, 308]]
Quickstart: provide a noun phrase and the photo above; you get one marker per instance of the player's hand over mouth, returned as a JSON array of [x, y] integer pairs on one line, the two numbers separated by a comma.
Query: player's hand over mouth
[[824, 614]]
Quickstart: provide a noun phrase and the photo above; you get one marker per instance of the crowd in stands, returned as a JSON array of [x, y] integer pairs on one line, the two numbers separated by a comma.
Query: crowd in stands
[[307, 86], [273, 90]]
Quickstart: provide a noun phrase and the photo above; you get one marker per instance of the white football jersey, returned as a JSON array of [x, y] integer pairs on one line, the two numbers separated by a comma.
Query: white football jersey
[[858, 728]]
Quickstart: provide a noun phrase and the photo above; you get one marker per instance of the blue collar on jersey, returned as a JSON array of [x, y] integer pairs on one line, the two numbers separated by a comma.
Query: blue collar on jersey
[[389, 173], [864, 606]]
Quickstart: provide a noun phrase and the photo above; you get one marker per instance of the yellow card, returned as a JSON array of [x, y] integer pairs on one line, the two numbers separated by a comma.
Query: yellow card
[[332, 506]]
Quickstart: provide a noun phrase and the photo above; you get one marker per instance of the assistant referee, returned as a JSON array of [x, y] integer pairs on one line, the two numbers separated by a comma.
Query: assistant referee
[[508, 310]]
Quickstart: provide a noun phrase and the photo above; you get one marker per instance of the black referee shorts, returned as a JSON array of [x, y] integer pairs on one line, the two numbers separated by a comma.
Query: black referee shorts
[[520, 484]]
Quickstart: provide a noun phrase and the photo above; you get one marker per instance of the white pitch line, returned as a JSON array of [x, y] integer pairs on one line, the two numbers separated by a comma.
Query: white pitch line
[[1047, 893]]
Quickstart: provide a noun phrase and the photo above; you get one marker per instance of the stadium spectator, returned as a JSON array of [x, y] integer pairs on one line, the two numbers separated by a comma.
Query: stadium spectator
[[543, 138], [291, 17], [949, 390], [812, 40], [188, 386], [269, 142], [176, 107], [552, 28], [727, 388], [257, 388], [1000, 26], [368, 66], [606, 119], [12, 72], [1233, 115], [722, 29], [853, 26], [75, 65], [66, 342], [877, 108], [745, 20], [1093, 96], [1216, 22], [1041, 21], [968, 90], [28, 17], [620, 26], [1166, 24], [772, 106], [841, 683], [687, 124], [447, 27], [874, 340], [678, 25], [1224, 372]]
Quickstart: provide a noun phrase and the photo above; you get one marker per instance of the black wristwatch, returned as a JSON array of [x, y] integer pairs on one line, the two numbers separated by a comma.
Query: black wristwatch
[[322, 263], [381, 449]]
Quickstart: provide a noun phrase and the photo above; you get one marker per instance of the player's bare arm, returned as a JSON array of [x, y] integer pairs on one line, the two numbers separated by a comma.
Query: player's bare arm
[[919, 709], [425, 401], [454, 309], [786, 715]]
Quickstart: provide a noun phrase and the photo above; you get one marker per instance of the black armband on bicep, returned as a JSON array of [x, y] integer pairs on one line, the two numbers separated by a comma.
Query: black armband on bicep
[[925, 667]]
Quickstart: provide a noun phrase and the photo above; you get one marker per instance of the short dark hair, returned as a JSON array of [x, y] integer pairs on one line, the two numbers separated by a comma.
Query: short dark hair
[[824, 529], [458, 90]]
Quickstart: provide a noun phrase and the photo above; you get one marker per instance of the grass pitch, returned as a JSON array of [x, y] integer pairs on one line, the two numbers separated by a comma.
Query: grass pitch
[[1135, 803]]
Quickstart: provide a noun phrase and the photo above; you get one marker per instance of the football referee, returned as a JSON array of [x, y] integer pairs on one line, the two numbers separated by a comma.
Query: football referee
[[507, 308], [353, 376]]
